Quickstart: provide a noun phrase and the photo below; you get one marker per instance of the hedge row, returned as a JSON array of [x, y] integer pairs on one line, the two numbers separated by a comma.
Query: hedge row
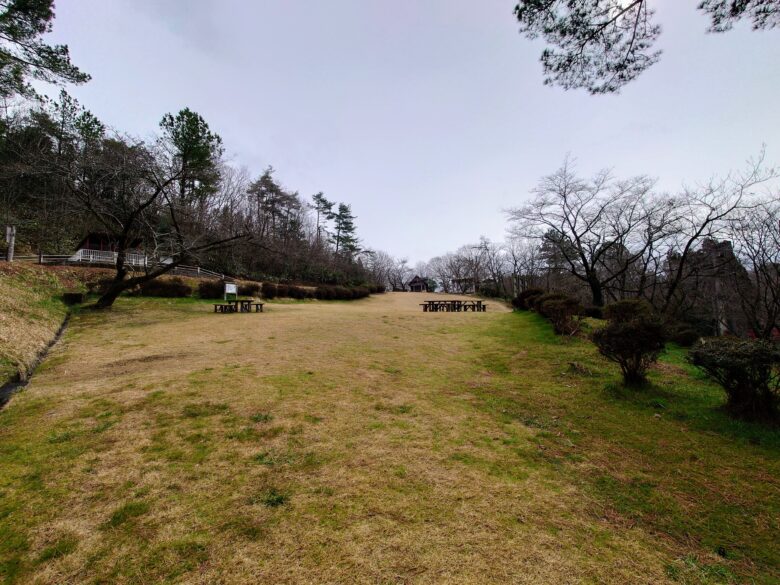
[[173, 287], [272, 290], [214, 289], [562, 310], [341, 293]]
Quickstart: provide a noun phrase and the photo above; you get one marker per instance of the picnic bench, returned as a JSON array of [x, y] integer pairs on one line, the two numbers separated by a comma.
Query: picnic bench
[[455, 305], [238, 306]]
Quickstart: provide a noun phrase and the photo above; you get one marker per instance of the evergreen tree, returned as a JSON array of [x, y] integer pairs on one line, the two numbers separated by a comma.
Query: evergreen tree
[[345, 237], [324, 210], [194, 150], [24, 56]]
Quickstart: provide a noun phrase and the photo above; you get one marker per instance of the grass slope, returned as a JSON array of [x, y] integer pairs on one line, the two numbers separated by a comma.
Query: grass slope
[[370, 442], [30, 314]]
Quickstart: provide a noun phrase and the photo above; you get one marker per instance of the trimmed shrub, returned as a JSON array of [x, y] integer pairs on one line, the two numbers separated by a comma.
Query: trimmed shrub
[[593, 312], [282, 291], [539, 300], [73, 297], [340, 293], [748, 370], [249, 289], [564, 314], [173, 287], [269, 290], [211, 289], [628, 310], [634, 344], [296, 292], [684, 336], [524, 301], [99, 286]]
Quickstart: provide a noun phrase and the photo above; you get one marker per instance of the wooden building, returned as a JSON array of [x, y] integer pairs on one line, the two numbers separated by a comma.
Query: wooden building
[[418, 284]]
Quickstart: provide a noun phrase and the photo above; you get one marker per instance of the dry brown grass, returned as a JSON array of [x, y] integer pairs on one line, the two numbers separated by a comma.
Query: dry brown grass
[[314, 443], [29, 316]]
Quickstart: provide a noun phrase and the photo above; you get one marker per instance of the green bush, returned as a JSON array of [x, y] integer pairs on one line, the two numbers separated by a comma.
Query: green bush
[[628, 310], [340, 293], [296, 292], [269, 290], [564, 314], [684, 336], [249, 289], [524, 301], [748, 370], [166, 287], [539, 300], [282, 291], [211, 289], [593, 312], [634, 344]]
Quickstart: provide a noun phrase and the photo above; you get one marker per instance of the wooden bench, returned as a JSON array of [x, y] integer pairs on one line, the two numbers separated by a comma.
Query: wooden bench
[[454, 306], [233, 308]]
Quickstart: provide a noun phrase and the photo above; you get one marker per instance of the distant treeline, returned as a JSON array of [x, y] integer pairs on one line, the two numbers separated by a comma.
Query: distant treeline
[[707, 258], [63, 174]]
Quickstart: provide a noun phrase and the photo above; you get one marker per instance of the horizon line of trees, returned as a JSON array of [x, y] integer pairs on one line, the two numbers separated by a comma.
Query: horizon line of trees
[[708, 256], [64, 174]]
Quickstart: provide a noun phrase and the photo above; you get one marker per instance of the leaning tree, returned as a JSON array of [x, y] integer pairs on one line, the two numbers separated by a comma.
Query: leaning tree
[[158, 193]]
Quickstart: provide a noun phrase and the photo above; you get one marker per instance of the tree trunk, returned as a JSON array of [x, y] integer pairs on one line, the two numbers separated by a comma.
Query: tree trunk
[[596, 292], [108, 297]]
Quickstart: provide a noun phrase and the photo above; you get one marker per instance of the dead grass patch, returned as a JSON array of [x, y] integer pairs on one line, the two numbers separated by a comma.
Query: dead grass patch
[[362, 442]]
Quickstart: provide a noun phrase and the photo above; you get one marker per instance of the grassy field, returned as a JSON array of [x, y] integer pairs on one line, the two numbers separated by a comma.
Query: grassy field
[[368, 442]]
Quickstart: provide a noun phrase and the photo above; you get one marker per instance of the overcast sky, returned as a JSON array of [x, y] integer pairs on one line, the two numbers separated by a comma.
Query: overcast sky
[[428, 116]]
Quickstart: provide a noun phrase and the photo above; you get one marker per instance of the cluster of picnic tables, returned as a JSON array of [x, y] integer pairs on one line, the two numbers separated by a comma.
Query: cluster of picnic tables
[[456, 306], [238, 306]]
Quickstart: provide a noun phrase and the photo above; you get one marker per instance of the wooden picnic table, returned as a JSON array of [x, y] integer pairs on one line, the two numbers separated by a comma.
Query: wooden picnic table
[[238, 306], [241, 305], [454, 305]]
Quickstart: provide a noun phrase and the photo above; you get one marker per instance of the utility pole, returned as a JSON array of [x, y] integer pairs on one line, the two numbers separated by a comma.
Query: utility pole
[[10, 238]]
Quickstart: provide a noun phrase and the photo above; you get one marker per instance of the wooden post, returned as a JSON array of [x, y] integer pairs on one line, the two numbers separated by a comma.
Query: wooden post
[[40, 257], [10, 237]]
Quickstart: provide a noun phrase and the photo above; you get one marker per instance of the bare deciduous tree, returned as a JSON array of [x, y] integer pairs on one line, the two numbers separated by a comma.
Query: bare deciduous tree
[[599, 227]]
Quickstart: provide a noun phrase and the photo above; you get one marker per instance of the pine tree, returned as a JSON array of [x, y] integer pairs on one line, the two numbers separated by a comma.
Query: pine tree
[[195, 150], [345, 237], [24, 56], [324, 209]]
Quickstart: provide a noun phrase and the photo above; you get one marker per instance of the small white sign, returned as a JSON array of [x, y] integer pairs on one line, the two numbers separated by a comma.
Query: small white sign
[[231, 288]]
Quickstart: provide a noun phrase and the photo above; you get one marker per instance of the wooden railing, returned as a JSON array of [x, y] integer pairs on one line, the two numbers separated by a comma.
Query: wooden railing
[[108, 258]]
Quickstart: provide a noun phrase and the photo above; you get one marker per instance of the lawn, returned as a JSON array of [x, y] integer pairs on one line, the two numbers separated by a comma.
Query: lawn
[[368, 442]]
